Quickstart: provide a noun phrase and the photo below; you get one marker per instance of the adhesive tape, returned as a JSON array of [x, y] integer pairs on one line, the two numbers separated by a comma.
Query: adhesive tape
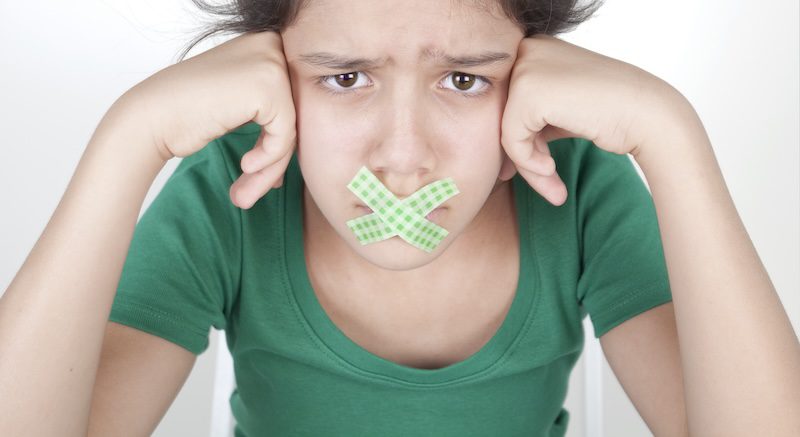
[[393, 217]]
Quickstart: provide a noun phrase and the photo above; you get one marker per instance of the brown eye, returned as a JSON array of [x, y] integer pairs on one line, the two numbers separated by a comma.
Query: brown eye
[[463, 81], [346, 80]]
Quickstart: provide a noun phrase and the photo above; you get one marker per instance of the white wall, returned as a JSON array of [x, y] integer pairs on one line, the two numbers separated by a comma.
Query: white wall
[[62, 64]]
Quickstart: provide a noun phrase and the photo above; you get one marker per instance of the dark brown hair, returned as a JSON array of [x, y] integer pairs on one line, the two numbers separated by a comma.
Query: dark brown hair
[[550, 17]]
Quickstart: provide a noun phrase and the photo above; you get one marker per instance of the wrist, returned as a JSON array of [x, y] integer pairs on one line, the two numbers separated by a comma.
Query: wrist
[[122, 144], [682, 144], [675, 130], [125, 127]]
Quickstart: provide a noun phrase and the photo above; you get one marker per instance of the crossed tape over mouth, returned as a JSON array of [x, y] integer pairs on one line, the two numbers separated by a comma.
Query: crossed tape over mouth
[[404, 218]]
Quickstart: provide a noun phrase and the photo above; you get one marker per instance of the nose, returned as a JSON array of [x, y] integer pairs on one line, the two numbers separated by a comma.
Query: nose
[[404, 153]]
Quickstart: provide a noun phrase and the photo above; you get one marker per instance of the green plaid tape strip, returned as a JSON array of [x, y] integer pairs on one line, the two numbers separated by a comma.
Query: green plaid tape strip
[[392, 216]]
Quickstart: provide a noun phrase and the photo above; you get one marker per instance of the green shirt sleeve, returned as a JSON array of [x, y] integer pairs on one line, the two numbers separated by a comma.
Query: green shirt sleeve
[[182, 270], [623, 270]]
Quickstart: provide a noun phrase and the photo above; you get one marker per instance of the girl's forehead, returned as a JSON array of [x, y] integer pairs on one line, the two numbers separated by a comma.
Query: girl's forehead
[[403, 15], [416, 27]]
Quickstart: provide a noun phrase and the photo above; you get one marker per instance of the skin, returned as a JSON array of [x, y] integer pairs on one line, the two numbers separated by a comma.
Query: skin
[[407, 121]]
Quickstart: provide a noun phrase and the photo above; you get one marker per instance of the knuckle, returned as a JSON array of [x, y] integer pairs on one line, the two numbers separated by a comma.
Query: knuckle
[[271, 66]]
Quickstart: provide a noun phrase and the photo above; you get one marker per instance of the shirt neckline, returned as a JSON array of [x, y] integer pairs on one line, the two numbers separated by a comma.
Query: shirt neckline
[[353, 356]]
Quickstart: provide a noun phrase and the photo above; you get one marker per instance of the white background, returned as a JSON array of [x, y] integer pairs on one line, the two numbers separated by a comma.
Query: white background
[[63, 64]]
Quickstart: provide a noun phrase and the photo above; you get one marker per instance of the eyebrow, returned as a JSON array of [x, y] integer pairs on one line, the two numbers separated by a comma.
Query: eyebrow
[[341, 62]]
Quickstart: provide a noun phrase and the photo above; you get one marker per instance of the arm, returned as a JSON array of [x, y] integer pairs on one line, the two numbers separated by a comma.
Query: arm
[[138, 378], [53, 315], [643, 353], [739, 355]]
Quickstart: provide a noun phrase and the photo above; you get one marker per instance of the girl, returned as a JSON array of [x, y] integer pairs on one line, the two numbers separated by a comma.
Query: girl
[[333, 334]]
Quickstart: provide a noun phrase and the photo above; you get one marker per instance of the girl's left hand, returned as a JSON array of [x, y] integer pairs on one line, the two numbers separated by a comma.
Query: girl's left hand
[[560, 90]]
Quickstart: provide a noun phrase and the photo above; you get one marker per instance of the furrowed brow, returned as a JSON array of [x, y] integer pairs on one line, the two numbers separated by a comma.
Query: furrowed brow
[[340, 62], [466, 61]]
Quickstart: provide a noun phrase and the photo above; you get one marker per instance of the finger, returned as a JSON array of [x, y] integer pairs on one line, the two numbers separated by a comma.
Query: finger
[[544, 156], [267, 150], [250, 187], [517, 137], [551, 188], [541, 161], [541, 142], [280, 181], [277, 117], [552, 133], [254, 159]]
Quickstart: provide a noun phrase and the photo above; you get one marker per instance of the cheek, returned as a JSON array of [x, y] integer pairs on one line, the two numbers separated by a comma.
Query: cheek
[[326, 136], [486, 121], [480, 157], [476, 121], [329, 152], [318, 125], [477, 137], [324, 123]]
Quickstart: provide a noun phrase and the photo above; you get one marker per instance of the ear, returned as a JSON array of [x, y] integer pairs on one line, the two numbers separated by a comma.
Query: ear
[[507, 169]]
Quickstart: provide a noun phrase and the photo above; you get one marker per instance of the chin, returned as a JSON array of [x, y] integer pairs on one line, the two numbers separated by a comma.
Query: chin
[[395, 254]]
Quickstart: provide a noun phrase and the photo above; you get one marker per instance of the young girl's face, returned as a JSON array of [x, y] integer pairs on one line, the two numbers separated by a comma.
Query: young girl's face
[[414, 116]]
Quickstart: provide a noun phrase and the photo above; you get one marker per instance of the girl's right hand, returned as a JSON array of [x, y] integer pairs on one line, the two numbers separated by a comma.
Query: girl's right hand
[[191, 103]]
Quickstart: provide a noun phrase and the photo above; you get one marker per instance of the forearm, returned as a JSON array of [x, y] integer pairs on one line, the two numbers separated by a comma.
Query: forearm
[[54, 313], [740, 356]]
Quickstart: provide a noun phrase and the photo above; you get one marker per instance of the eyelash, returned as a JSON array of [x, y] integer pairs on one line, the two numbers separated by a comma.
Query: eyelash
[[321, 81]]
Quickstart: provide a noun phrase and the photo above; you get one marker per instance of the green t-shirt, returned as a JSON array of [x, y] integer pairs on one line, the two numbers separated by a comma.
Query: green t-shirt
[[198, 261]]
